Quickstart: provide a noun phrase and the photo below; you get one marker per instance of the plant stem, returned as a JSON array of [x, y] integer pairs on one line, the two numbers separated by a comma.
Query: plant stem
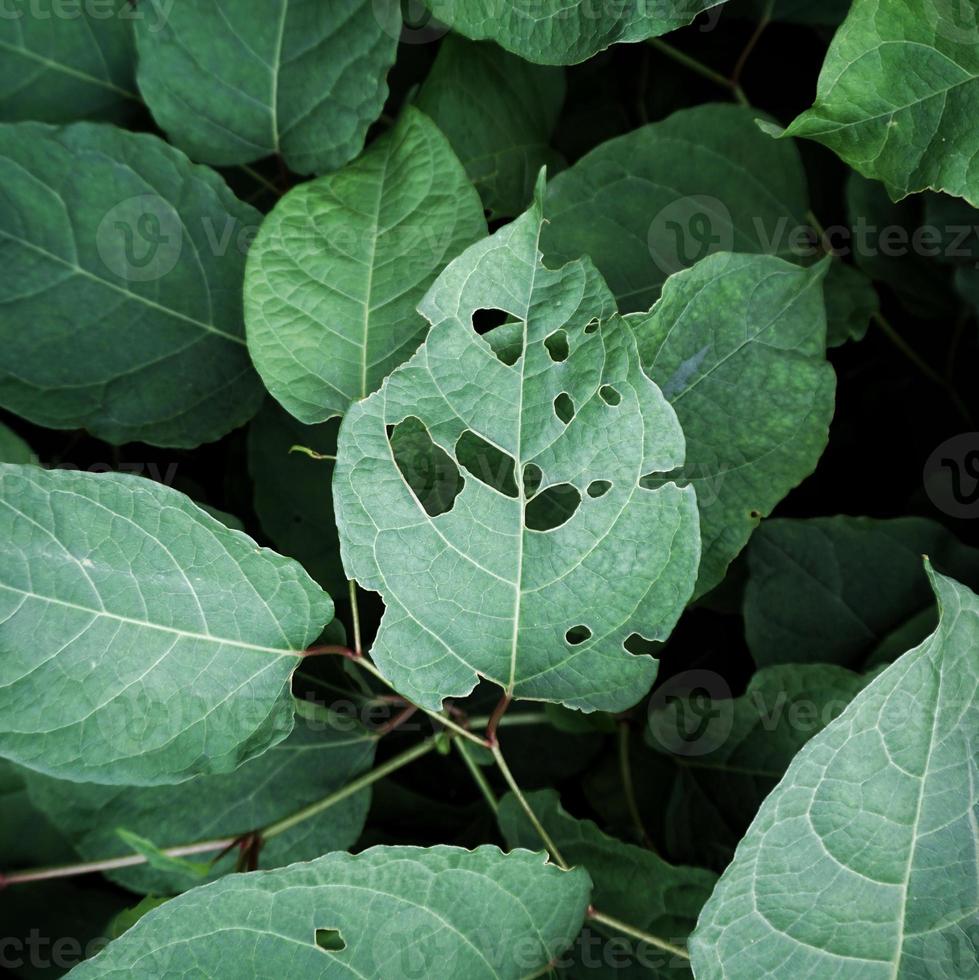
[[700, 68], [478, 778], [311, 453], [264, 181], [498, 712], [624, 927], [355, 614], [766, 19], [354, 786], [511, 720], [625, 768], [522, 800]]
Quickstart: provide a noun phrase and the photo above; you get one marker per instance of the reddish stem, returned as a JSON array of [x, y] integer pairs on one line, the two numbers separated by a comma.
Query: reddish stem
[[399, 719], [498, 712], [332, 648]]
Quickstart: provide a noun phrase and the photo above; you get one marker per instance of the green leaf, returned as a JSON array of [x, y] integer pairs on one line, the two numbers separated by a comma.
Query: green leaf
[[737, 344], [310, 764], [387, 912], [13, 449], [27, 837], [845, 590], [292, 491], [127, 918], [143, 642], [498, 112], [341, 263], [160, 861], [897, 96], [730, 752], [121, 303], [657, 200], [232, 84], [862, 861], [851, 301], [57, 68], [490, 588], [564, 32], [630, 883]]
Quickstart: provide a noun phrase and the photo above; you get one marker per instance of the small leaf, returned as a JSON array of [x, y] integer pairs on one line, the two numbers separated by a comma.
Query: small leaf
[[498, 112], [897, 94], [386, 912], [126, 919], [564, 32], [121, 302], [737, 344], [630, 883], [845, 590], [142, 641], [234, 83], [63, 61], [851, 301], [475, 591], [862, 861], [340, 265], [158, 860], [659, 199]]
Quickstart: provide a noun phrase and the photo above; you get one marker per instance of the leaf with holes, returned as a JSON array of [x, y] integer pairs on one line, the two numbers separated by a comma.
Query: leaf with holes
[[121, 303], [386, 912], [558, 32], [142, 641], [738, 345], [874, 826], [898, 95], [553, 552], [321, 755], [64, 61], [232, 83], [341, 263]]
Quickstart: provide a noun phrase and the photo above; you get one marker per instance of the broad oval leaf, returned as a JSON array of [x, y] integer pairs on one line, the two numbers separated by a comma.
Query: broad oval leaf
[[862, 862], [491, 587], [142, 641], [320, 756], [898, 96], [654, 201], [63, 61], [340, 265], [845, 590], [234, 83], [387, 912], [564, 32], [121, 303], [738, 345], [630, 883], [498, 112]]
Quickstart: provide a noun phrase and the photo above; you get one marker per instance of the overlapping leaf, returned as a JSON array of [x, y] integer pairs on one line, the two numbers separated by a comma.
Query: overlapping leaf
[[845, 590], [142, 641], [340, 265], [387, 912], [498, 112], [737, 344], [317, 758], [120, 308], [899, 93], [862, 862], [231, 83], [61, 62], [552, 32], [496, 586]]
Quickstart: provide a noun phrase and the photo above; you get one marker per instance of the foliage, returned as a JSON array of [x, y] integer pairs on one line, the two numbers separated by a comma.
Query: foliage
[[465, 472]]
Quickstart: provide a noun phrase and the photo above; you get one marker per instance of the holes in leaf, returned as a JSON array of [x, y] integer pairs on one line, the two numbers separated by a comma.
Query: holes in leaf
[[577, 635], [552, 507], [591, 326], [506, 342], [486, 320], [532, 477], [598, 488], [428, 469], [639, 645], [488, 464], [557, 345], [330, 940], [610, 395], [564, 407]]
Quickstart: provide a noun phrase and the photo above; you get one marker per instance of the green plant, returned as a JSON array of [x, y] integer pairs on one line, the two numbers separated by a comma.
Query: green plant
[[552, 367]]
